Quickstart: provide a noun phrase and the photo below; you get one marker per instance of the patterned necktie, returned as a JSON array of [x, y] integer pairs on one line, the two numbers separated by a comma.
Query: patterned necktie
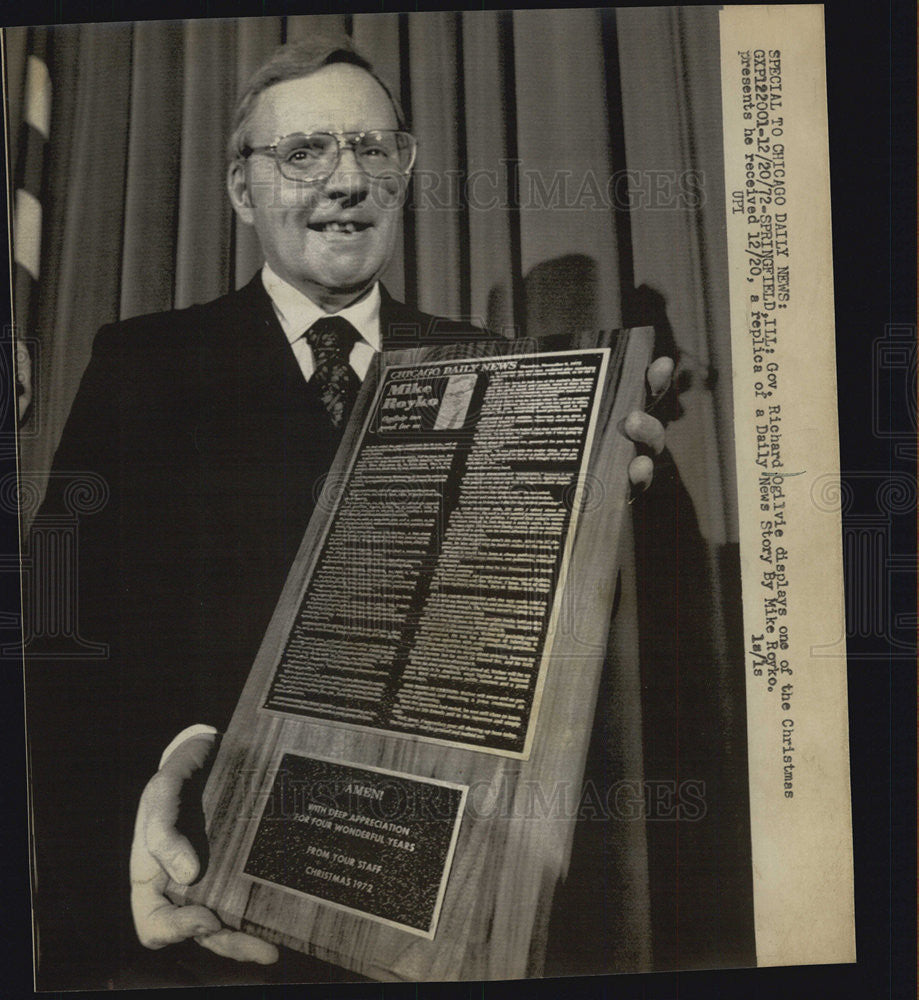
[[331, 339]]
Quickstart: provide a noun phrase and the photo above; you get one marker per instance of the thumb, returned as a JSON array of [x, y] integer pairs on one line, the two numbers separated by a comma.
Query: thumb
[[190, 756]]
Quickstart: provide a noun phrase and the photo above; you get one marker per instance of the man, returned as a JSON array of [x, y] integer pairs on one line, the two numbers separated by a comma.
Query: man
[[213, 427]]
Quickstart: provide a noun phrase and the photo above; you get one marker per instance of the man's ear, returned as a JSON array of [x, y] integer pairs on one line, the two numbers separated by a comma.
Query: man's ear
[[238, 189]]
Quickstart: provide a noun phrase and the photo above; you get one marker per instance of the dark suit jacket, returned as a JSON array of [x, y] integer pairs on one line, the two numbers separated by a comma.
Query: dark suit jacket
[[214, 449]]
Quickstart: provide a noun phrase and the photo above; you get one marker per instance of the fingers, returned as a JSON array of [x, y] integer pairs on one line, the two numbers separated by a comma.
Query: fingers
[[159, 810], [164, 924], [641, 472], [173, 852], [644, 429], [159, 853], [23, 377], [155, 832], [160, 923], [660, 373], [239, 946]]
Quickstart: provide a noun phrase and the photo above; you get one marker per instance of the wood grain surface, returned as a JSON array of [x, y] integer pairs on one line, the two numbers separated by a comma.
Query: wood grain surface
[[513, 846]]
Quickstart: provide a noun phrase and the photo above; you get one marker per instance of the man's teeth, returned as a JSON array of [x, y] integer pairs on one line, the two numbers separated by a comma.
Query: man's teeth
[[340, 227]]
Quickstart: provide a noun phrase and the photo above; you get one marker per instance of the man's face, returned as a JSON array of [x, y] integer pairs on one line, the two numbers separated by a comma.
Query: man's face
[[299, 225]]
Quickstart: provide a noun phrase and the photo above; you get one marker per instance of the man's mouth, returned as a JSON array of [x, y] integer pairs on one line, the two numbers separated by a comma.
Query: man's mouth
[[339, 227]]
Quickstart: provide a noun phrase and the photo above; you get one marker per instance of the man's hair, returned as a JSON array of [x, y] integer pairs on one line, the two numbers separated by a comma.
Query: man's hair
[[292, 62]]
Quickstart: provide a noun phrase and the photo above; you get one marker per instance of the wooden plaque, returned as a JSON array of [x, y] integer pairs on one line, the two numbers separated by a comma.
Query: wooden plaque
[[383, 797]]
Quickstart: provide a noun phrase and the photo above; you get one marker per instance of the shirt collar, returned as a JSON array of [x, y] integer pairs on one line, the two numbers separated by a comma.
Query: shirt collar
[[297, 313]]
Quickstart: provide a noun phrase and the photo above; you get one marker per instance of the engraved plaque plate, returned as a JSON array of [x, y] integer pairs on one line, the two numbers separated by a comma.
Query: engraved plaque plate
[[364, 839]]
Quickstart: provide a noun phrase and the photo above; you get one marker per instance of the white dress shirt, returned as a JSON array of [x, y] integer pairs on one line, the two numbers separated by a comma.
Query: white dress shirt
[[296, 314]]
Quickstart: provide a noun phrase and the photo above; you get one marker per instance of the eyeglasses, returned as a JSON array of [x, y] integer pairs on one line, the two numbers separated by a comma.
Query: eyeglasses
[[314, 158]]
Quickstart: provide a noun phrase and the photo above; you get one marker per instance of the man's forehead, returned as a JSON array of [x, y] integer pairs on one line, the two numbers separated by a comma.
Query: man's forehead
[[340, 97]]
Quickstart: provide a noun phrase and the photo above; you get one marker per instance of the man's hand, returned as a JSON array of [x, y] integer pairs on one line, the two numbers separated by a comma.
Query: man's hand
[[159, 852], [23, 378], [646, 430]]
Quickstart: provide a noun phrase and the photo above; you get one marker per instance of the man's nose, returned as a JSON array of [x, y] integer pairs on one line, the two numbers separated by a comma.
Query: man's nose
[[348, 179]]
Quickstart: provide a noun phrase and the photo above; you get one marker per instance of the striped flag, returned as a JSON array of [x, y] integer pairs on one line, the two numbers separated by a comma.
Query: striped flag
[[27, 206]]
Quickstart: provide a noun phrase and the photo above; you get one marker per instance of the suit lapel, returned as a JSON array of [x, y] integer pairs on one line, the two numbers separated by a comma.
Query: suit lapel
[[262, 344]]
